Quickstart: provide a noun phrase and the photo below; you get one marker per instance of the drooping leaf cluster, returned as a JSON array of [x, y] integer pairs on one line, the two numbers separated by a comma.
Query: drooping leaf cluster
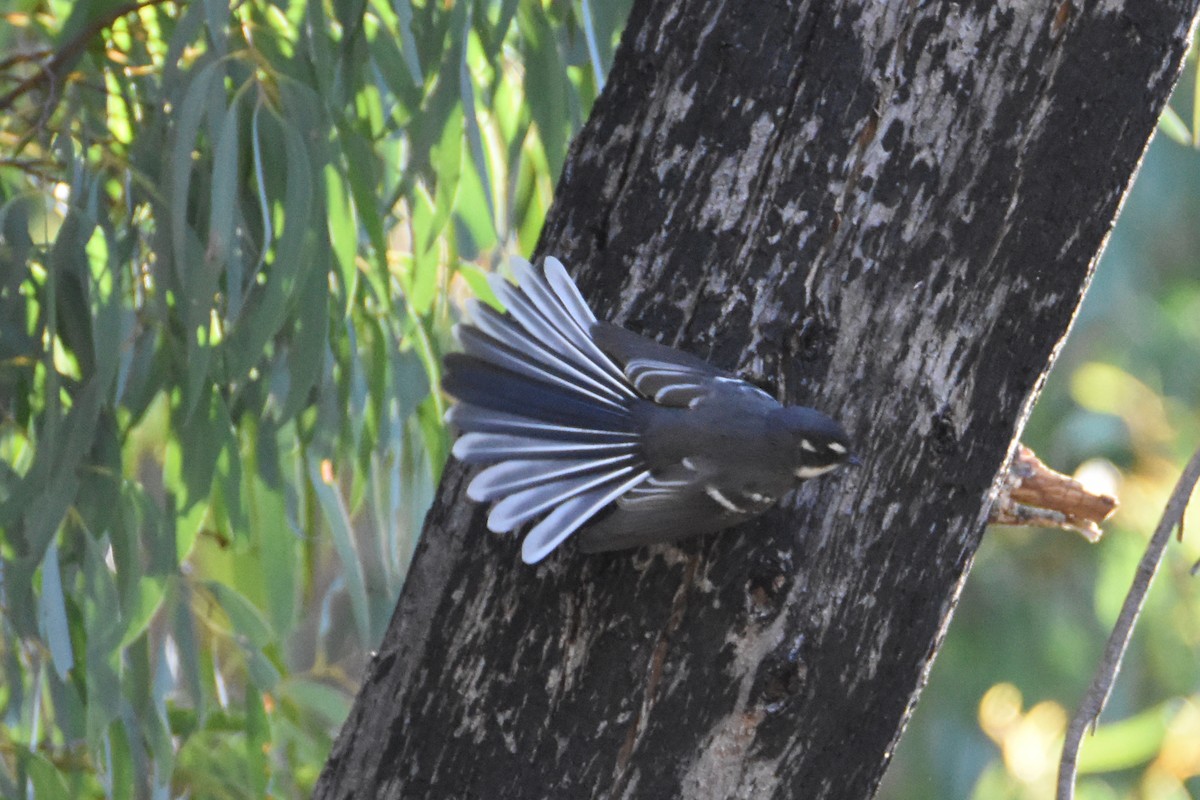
[[231, 238]]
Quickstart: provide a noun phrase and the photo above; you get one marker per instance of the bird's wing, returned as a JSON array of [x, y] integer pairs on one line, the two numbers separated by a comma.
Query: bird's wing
[[663, 374], [683, 500], [646, 516]]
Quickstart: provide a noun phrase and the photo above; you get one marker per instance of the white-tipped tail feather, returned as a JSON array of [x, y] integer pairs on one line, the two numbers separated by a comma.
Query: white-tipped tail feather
[[514, 475], [571, 515], [543, 404]]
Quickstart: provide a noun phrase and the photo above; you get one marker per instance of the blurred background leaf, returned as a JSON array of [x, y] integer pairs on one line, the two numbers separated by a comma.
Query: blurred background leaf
[[233, 239]]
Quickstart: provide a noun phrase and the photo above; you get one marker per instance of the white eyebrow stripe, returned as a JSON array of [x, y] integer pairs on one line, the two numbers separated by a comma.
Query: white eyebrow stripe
[[837, 448], [807, 445], [724, 501]]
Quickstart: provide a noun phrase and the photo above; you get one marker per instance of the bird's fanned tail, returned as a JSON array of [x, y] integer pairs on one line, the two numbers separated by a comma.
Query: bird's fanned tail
[[538, 397]]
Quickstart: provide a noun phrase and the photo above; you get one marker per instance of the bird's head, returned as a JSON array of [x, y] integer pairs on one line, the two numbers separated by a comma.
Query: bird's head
[[818, 444]]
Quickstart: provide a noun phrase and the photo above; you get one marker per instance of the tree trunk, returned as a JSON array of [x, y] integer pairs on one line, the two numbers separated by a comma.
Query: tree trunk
[[888, 211]]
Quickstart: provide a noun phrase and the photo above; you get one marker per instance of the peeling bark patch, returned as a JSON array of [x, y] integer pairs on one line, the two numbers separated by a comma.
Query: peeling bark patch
[[725, 766]]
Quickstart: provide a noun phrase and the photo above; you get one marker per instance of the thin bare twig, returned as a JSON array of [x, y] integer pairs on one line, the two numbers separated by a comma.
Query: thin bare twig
[[1118, 642], [55, 69], [22, 58], [36, 167]]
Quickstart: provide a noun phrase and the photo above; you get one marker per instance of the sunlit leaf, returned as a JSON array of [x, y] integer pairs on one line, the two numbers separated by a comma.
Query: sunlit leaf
[[446, 159], [1174, 127], [119, 762], [44, 778], [478, 281], [258, 736], [422, 283], [1121, 745], [1195, 99], [343, 231], [546, 85]]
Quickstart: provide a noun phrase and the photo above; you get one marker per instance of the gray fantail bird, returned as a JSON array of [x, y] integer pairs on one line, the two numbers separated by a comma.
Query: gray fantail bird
[[587, 425]]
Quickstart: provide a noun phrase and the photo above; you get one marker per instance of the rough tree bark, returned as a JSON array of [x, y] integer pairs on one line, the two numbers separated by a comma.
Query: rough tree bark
[[889, 211]]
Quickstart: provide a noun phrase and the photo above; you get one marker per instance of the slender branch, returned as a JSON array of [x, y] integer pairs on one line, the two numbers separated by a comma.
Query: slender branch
[[37, 167], [21, 58], [65, 57], [1118, 642]]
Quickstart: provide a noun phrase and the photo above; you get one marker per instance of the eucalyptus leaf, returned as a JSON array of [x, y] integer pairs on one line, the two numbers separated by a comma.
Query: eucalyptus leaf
[[52, 614], [245, 618], [142, 607], [226, 285], [118, 762], [404, 11], [344, 542], [546, 84], [45, 779], [187, 128]]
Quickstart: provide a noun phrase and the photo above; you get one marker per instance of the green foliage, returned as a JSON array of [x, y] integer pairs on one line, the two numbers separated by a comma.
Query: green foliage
[[229, 241], [1172, 121]]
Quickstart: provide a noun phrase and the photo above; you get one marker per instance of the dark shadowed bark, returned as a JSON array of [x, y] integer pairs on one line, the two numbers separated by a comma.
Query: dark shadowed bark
[[885, 210]]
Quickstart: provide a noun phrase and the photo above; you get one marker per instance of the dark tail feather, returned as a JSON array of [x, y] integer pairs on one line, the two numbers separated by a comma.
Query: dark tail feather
[[541, 403], [483, 384], [467, 417], [526, 361]]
